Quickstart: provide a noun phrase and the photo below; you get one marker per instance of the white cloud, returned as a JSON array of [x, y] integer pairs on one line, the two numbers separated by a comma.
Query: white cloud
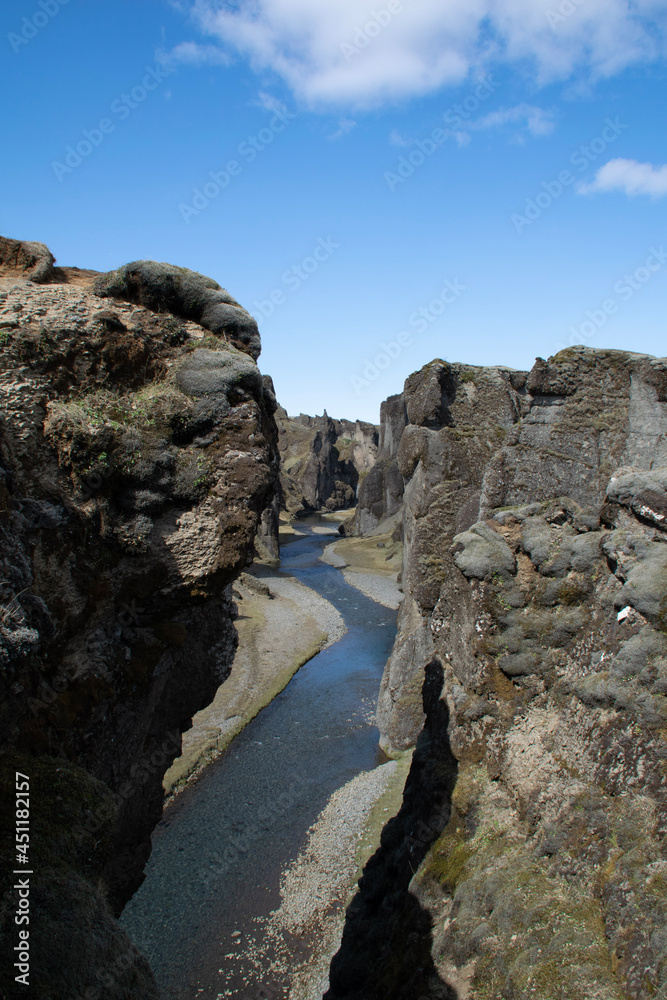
[[354, 52], [536, 120], [194, 54], [270, 103], [628, 176], [345, 125], [396, 139]]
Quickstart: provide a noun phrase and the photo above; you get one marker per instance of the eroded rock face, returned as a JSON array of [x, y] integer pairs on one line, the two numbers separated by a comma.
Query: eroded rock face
[[535, 572], [138, 459], [323, 461], [24, 260], [381, 492], [442, 463]]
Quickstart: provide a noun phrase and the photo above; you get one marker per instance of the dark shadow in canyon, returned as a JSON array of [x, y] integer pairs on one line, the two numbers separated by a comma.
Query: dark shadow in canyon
[[385, 952]]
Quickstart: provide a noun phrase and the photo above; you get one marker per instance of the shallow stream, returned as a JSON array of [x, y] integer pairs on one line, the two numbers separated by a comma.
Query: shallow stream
[[221, 847]]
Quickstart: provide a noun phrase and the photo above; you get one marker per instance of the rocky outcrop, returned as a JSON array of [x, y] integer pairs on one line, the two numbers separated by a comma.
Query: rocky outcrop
[[29, 261], [455, 427], [138, 459], [184, 293], [323, 461], [535, 573], [381, 493]]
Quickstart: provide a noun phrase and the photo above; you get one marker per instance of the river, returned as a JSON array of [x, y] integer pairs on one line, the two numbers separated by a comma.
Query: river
[[220, 849]]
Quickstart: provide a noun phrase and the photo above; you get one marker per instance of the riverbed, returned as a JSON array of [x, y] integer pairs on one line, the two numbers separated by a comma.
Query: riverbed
[[222, 846]]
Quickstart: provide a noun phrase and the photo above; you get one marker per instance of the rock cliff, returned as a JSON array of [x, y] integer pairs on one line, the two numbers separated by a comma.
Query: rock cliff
[[381, 492], [138, 461], [323, 461], [535, 576]]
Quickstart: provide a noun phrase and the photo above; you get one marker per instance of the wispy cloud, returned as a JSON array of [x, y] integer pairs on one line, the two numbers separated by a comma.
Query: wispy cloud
[[536, 120], [396, 139], [628, 176], [345, 125], [194, 54], [425, 45], [270, 103]]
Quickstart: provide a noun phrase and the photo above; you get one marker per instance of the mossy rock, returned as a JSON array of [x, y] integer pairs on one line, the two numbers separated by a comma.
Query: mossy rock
[[177, 290]]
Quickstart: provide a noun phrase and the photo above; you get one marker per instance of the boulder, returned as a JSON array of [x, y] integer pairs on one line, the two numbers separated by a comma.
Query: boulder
[[646, 586], [480, 553], [644, 492], [30, 261], [185, 293], [229, 373]]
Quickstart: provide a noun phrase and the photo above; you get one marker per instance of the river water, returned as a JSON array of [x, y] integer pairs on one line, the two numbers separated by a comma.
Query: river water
[[221, 847]]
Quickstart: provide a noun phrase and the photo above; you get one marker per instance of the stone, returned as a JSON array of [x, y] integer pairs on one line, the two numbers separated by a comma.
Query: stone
[[427, 395], [26, 261], [185, 293], [480, 552], [643, 491], [205, 373], [646, 586]]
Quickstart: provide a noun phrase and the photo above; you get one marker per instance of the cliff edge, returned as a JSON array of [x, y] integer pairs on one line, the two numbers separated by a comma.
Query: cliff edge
[[138, 461]]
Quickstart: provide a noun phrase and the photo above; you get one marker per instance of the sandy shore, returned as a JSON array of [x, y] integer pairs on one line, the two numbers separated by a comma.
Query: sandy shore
[[371, 565], [282, 624]]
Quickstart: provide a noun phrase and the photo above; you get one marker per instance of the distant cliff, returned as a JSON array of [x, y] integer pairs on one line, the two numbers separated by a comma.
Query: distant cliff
[[381, 493], [138, 470], [535, 576], [323, 461]]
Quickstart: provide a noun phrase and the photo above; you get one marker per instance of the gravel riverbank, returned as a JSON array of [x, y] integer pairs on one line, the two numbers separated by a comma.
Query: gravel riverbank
[[282, 624], [366, 569], [304, 933]]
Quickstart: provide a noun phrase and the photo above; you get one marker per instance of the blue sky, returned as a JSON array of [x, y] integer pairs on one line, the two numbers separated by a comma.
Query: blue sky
[[367, 222]]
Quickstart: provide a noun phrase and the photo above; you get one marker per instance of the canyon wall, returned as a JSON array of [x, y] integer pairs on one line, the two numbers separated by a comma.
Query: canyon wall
[[381, 493], [535, 579], [323, 461], [138, 469]]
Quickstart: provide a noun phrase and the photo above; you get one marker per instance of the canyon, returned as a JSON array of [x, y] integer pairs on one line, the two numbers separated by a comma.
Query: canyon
[[145, 463], [322, 461]]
